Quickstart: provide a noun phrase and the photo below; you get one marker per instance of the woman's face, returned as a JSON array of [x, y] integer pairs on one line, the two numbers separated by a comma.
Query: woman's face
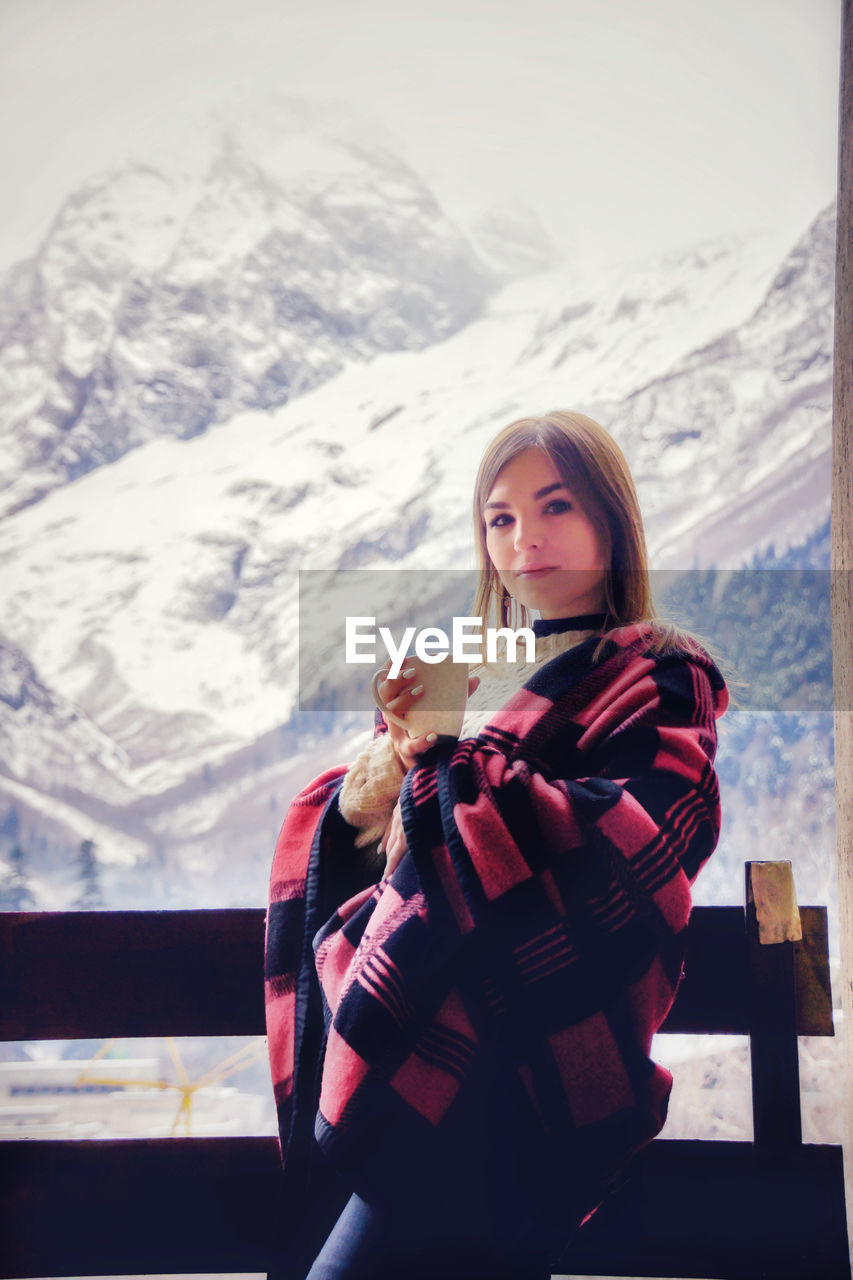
[[544, 546]]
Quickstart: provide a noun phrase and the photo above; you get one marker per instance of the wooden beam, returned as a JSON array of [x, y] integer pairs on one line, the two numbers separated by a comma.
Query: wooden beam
[[842, 554], [699, 1208], [690, 1208], [165, 1205], [94, 975]]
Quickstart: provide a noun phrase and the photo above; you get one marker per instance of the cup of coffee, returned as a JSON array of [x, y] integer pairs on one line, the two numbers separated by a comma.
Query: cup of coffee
[[440, 708]]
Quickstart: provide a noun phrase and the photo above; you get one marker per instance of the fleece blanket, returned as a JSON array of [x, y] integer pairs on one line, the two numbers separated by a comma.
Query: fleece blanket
[[539, 916]]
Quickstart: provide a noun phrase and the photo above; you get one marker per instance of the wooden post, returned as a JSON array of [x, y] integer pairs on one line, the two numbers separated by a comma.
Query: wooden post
[[772, 928], [842, 560]]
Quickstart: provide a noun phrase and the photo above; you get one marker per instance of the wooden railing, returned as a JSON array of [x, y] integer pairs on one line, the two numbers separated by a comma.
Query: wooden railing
[[773, 1207]]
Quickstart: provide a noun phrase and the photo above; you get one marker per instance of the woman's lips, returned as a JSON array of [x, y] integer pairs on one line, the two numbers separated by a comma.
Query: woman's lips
[[535, 572]]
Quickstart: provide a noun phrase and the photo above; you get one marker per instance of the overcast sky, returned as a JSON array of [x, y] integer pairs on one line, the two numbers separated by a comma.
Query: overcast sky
[[630, 125]]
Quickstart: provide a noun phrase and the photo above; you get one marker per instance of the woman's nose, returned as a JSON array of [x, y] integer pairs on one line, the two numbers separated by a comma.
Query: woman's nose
[[528, 535]]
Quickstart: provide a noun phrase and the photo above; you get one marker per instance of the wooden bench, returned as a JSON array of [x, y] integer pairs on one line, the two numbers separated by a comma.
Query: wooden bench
[[771, 1208]]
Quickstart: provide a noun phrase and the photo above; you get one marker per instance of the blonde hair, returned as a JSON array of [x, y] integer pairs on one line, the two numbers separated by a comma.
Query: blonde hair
[[590, 461]]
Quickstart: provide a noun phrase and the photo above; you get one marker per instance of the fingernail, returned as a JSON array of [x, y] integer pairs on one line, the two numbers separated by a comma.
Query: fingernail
[[418, 689], [412, 671], [431, 737]]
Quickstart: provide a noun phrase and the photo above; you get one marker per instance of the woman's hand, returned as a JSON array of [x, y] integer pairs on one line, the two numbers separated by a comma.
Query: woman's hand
[[399, 695]]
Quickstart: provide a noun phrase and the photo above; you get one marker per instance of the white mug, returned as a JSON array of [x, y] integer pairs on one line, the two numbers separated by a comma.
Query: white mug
[[440, 708]]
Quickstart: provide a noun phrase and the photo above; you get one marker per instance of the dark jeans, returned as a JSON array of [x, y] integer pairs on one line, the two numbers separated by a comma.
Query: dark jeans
[[461, 1209], [392, 1242]]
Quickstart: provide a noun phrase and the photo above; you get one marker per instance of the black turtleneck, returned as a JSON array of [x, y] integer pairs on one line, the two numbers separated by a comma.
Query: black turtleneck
[[580, 622]]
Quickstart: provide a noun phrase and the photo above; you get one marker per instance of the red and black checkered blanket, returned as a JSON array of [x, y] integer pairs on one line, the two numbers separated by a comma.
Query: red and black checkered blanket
[[540, 913]]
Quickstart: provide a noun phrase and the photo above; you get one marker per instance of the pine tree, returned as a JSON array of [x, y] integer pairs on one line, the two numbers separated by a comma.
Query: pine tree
[[16, 894], [10, 824], [90, 897]]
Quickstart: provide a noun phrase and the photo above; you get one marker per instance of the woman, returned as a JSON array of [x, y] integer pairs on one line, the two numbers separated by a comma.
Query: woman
[[463, 1047]]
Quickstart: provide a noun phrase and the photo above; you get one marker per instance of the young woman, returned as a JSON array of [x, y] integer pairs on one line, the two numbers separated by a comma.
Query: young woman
[[471, 944]]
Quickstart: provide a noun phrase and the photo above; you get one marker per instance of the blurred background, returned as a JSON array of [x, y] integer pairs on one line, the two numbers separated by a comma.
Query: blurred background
[[269, 281]]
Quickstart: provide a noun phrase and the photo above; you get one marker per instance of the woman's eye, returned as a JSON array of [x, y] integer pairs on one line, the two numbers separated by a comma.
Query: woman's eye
[[497, 522], [558, 506]]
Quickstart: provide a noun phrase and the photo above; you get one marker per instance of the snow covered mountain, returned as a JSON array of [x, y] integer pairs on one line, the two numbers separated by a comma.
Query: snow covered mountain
[[59, 768], [76, 758], [296, 365], [163, 302], [734, 446]]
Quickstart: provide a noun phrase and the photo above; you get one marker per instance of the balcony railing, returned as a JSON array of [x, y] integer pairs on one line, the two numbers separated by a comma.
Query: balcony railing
[[771, 1207]]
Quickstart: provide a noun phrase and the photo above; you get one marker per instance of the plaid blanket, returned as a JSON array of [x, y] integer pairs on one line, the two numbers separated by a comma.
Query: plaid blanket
[[538, 917]]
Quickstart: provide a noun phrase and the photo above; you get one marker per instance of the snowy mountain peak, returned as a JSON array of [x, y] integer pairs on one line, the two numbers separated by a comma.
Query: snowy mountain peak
[[809, 268], [164, 300]]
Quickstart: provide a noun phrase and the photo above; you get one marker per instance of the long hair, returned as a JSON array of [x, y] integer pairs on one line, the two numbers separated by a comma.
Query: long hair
[[590, 461]]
